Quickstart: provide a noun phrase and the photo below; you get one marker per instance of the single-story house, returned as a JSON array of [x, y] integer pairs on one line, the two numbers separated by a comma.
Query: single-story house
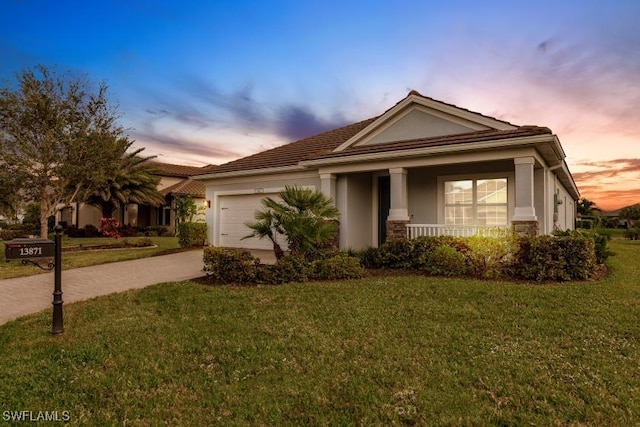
[[174, 182], [421, 167]]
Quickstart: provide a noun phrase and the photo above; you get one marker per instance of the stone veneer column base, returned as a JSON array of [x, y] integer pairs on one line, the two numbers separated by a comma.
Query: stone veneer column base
[[397, 229], [526, 228]]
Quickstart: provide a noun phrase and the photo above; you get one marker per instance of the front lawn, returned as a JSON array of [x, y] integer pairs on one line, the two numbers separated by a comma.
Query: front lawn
[[376, 351], [85, 258]]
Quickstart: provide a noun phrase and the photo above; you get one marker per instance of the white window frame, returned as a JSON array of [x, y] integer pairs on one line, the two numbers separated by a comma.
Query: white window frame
[[510, 176]]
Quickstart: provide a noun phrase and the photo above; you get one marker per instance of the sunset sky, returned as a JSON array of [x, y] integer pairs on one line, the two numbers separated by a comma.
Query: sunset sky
[[206, 82]]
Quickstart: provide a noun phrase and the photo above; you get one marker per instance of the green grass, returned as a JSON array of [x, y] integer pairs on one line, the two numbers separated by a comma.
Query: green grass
[[376, 351], [84, 258]]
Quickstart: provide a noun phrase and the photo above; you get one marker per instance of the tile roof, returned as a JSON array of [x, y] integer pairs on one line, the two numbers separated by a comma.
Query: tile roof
[[292, 153], [186, 187], [476, 136], [181, 171], [322, 145]]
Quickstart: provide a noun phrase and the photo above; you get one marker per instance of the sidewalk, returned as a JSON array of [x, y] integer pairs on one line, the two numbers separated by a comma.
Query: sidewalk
[[26, 295]]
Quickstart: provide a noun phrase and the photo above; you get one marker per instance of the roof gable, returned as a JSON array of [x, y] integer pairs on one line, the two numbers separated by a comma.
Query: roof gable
[[416, 122], [417, 116]]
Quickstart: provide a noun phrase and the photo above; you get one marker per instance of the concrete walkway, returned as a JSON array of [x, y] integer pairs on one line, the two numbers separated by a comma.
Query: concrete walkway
[[27, 295]]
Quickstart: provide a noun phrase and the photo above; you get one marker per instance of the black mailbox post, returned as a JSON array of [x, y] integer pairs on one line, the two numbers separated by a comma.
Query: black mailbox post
[[26, 250]]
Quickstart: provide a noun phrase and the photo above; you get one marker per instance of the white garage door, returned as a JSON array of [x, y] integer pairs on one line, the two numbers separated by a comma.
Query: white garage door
[[234, 212]]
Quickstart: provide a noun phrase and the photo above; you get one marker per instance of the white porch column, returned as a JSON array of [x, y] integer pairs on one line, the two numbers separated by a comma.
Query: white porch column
[[524, 209], [399, 210], [328, 185]]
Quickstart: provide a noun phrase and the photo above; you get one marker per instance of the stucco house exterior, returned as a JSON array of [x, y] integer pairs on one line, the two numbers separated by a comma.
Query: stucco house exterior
[[174, 181], [421, 167]]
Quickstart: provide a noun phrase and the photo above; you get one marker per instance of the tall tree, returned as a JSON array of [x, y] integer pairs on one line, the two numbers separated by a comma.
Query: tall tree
[[631, 213], [59, 136], [132, 181], [10, 199]]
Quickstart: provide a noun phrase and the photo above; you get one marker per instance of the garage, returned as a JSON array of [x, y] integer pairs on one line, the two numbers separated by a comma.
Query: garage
[[234, 211]]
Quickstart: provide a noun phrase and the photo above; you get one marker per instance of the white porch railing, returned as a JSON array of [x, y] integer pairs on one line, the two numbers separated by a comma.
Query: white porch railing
[[417, 230]]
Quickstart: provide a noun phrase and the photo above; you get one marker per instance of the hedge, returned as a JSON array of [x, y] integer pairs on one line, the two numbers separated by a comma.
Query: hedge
[[239, 266], [192, 234]]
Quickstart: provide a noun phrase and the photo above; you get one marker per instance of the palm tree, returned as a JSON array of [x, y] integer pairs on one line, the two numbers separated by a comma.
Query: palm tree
[[307, 218], [585, 207], [132, 181], [265, 225]]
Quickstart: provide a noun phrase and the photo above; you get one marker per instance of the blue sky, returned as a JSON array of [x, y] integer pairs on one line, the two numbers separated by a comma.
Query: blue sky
[[201, 82]]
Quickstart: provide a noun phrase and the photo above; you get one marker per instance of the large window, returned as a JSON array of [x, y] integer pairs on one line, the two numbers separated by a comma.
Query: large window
[[476, 202]]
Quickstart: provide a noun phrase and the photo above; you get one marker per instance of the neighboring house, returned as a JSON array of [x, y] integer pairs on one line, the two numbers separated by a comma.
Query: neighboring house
[[422, 167], [174, 181]]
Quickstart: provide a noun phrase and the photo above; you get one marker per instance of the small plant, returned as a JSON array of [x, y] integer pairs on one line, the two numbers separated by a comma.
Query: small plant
[[110, 227], [186, 209]]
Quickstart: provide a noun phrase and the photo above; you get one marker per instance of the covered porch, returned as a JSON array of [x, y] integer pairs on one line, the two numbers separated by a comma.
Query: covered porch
[[454, 198]]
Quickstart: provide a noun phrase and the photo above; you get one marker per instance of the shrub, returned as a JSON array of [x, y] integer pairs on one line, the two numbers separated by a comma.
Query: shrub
[[490, 257], [74, 231], [154, 231], [126, 231], [396, 253], [446, 261], [14, 231], [91, 231], [600, 241], [632, 233], [287, 269], [370, 257], [338, 266], [549, 258], [192, 234], [11, 234], [423, 247], [227, 265]]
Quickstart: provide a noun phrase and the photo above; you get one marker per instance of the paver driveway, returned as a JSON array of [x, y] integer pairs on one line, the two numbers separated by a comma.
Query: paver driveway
[[26, 295]]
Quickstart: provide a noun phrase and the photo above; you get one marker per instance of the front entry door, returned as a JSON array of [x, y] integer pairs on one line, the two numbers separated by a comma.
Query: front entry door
[[384, 204]]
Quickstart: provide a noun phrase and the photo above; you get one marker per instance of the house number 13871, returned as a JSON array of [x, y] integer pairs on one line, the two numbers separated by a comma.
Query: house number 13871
[[30, 251]]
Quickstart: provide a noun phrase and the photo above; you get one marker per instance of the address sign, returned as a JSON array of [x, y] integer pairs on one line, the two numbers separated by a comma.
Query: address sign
[[28, 248]]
